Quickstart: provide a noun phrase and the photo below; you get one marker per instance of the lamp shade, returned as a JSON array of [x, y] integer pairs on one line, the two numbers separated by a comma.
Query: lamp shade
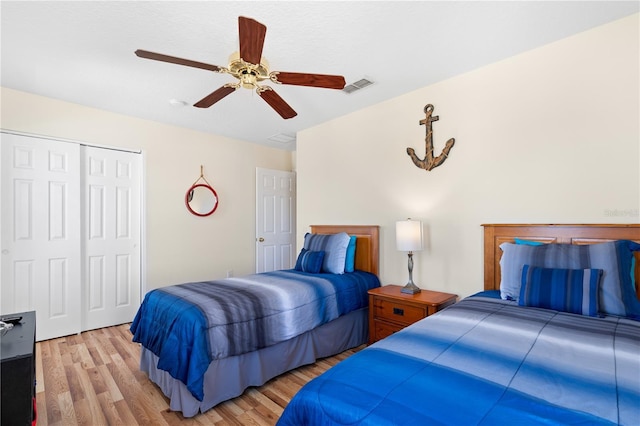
[[409, 235]]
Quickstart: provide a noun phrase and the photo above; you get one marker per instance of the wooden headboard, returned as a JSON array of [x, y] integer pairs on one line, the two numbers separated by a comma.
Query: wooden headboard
[[367, 243], [494, 235]]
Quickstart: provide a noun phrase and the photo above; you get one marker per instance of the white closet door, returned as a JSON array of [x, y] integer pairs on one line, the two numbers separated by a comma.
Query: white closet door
[[111, 198], [40, 233]]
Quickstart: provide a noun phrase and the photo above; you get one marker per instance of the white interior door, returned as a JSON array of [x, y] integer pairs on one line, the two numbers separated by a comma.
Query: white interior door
[[275, 220], [40, 232], [111, 199]]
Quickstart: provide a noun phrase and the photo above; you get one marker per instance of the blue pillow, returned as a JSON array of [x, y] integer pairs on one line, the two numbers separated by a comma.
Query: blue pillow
[[350, 262], [309, 261], [527, 242], [633, 274], [334, 247], [616, 295], [568, 290]]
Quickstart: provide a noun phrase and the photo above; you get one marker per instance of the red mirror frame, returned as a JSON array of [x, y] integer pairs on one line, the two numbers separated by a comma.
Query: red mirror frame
[[189, 197]]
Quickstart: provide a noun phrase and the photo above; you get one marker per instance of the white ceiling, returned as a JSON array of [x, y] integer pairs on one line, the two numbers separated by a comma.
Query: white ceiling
[[83, 52]]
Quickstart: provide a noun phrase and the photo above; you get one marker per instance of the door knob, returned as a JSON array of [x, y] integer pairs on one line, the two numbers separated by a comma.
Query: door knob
[[261, 239]]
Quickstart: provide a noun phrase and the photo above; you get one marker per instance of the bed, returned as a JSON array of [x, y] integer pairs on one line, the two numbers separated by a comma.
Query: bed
[[491, 360], [204, 343]]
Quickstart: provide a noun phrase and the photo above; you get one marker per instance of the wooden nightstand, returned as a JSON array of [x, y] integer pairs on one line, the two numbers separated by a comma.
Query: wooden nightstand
[[391, 311]]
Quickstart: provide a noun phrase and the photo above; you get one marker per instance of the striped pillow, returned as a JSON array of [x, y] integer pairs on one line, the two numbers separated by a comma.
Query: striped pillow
[[335, 248], [617, 295], [309, 261], [568, 290]]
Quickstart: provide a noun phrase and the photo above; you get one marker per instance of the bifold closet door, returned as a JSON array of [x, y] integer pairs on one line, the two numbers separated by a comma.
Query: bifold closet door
[[70, 234], [111, 217], [41, 239]]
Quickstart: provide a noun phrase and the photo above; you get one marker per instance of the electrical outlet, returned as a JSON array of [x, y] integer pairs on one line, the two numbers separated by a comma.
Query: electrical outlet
[[230, 273]]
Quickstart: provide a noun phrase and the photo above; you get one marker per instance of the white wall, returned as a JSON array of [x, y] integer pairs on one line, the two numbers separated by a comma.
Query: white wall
[[180, 247], [548, 136]]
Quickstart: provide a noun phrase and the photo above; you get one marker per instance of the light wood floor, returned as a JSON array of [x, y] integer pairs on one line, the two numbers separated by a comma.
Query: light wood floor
[[93, 379]]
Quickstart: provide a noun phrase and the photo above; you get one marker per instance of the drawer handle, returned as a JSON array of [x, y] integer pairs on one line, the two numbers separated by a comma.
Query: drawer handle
[[398, 311]]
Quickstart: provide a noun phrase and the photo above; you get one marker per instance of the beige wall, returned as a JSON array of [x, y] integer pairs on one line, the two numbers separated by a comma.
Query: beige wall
[[179, 247], [548, 136]]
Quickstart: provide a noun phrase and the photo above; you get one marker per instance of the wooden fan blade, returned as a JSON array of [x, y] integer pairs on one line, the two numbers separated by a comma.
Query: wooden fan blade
[[214, 97], [172, 59], [252, 35], [313, 80], [272, 98]]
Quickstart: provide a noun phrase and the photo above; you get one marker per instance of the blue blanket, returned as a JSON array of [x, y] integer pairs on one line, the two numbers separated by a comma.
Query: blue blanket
[[484, 362], [189, 325]]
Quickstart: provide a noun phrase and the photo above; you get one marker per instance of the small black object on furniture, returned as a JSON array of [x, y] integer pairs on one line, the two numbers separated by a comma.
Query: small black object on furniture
[[18, 371]]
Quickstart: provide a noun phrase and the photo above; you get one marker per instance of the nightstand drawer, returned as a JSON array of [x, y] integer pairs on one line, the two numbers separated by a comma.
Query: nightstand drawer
[[391, 310], [397, 311], [384, 329]]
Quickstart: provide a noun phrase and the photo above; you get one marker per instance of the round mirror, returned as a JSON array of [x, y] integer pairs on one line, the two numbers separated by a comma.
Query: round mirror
[[201, 200]]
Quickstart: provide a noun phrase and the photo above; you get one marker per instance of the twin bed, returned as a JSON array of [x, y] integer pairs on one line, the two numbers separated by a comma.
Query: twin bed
[[204, 343], [488, 360], [554, 338]]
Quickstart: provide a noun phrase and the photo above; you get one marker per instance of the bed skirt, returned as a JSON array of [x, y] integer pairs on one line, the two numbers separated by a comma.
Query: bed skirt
[[227, 378]]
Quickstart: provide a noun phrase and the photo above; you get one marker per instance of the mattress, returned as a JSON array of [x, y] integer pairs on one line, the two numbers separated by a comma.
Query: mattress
[[188, 326], [484, 361]]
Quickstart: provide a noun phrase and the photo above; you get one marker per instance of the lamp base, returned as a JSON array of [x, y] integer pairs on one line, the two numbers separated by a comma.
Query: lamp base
[[410, 288]]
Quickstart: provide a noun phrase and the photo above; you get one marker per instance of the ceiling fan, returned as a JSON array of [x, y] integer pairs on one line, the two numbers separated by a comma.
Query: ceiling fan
[[250, 68]]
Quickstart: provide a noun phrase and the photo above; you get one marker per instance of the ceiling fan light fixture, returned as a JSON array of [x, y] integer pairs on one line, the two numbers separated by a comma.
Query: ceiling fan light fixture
[[248, 74], [250, 68]]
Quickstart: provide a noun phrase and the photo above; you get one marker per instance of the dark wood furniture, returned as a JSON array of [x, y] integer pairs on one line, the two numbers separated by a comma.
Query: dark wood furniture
[[496, 234], [18, 371], [391, 311]]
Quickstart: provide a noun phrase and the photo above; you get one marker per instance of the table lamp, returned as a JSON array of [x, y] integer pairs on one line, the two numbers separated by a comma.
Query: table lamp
[[409, 239]]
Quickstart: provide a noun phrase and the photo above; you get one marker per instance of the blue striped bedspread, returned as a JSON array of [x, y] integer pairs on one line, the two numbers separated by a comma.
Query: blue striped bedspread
[[189, 325], [484, 362]]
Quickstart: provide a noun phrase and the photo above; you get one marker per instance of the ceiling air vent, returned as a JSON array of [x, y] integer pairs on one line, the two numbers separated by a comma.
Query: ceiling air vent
[[360, 84], [283, 138]]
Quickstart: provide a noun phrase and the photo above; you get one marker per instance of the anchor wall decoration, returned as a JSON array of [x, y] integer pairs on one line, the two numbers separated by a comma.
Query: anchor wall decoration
[[430, 162]]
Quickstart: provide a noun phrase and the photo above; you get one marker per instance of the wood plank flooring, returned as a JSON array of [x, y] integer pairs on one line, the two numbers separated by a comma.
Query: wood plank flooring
[[94, 379]]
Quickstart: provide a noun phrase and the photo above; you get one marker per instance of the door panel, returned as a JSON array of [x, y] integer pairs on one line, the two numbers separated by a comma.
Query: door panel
[[112, 252], [40, 233], [275, 220]]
